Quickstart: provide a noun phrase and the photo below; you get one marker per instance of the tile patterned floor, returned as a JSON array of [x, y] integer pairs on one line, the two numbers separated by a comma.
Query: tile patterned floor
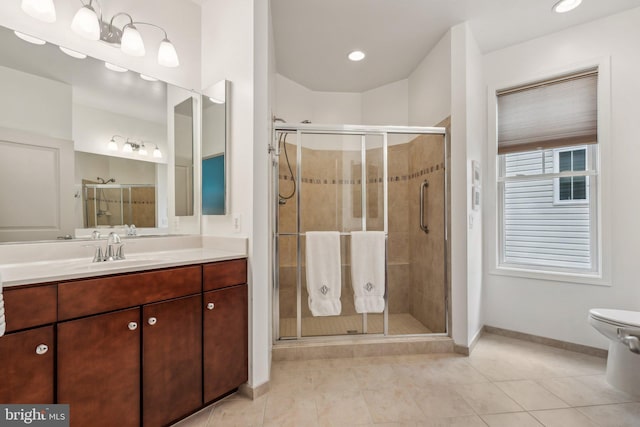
[[505, 382]]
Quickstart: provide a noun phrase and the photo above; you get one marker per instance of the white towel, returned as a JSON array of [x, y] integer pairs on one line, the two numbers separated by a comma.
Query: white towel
[[367, 270], [324, 278], [3, 319]]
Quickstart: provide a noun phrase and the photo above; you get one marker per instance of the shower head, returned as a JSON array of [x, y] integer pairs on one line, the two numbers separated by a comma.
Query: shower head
[[306, 122], [278, 119], [282, 201]]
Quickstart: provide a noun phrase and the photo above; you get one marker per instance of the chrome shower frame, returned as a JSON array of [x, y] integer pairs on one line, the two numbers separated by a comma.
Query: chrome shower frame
[[299, 129]]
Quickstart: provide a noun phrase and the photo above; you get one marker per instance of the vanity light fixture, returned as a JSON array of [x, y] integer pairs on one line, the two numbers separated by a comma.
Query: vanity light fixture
[[216, 100], [356, 55], [566, 5], [157, 153], [115, 68], [88, 24], [43, 10], [72, 53], [112, 145], [127, 147], [142, 150], [28, 38]]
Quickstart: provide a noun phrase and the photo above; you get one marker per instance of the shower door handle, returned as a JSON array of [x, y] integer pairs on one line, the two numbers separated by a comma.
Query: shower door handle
[[423, 226]]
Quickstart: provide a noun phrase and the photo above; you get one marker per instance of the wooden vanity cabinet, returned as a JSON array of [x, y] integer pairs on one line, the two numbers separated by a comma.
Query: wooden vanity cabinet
[[225, 327], [27, 355], [140, 365], [27, 366], [99, 369], [171, 360]]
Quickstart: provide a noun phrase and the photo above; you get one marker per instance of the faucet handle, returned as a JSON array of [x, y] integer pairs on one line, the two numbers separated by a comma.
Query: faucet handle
[[99, 256], [120, 252], [95, 235]]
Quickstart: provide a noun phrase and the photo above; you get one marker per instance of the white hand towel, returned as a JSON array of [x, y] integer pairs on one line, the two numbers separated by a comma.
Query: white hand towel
[[324, 278], [368, 270]]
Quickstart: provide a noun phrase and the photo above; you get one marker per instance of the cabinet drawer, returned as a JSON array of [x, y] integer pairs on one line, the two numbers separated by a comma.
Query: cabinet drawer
[[28, 307], [223, 274], [86, 297]]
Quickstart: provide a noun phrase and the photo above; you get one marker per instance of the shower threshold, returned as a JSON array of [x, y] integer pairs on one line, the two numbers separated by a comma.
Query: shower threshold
[[399, 324]]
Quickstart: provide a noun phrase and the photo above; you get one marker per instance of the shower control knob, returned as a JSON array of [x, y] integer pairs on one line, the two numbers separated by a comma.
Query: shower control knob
[[210, 306]]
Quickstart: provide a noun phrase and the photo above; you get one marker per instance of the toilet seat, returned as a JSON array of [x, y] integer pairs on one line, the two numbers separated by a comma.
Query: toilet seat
[[621, 318]]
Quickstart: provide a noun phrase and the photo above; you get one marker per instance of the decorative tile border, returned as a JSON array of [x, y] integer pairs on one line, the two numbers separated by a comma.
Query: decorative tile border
[[396, 178]]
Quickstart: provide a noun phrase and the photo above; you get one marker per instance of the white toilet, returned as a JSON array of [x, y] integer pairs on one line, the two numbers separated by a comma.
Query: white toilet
[[622, 327]]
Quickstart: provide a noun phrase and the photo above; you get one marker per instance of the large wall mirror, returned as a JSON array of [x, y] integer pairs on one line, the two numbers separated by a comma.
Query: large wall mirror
[[86, 145]]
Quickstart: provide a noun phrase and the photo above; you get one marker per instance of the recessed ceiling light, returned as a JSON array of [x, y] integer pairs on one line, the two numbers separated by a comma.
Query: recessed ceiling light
[[114, 67], [73, 53], [29, 38], [148, 78], [356, 55], [566, 5]]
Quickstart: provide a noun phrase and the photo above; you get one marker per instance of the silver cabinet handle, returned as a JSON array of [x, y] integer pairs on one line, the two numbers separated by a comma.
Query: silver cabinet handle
[[132, 326], [42, 349], [210, 306], [423, 226], [152, 321]]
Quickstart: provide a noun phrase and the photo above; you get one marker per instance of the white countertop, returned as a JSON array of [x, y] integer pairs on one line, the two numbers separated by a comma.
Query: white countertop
[[54, 270]]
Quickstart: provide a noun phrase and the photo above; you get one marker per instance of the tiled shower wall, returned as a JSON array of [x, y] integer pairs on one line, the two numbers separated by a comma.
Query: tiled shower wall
[[331, 200]]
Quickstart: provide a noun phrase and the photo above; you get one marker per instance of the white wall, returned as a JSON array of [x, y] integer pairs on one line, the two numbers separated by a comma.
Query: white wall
[[430, 86], [559, 309], [35, 104], [386, 105], [184, 33], [235, 47]]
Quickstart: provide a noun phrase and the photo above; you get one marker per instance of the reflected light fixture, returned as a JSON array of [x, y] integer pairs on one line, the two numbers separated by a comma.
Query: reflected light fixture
[[356, 55], [28, 38], [216, 100], [93, 26], [114, 67], [72, 53], [131, 146], [566, 5], [43, 10], [148, 78]]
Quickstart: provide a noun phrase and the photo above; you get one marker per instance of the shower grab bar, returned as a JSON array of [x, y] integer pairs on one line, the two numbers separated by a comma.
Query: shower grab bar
[[423, 227], [344, 233]]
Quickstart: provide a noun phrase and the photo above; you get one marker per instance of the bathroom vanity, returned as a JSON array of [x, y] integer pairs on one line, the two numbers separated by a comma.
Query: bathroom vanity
[[144, 347]]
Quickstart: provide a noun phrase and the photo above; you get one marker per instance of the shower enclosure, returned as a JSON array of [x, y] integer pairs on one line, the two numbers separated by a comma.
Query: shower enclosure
[[361, 178]]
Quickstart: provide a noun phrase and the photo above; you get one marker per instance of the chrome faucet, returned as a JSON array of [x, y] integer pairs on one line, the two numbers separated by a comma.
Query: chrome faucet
[[112, 252]]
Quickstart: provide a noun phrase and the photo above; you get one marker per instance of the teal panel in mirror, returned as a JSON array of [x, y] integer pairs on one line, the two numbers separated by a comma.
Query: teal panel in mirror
[[215, 116]]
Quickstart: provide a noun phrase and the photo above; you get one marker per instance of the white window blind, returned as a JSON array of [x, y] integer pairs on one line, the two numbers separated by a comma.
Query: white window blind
[[557, 113]]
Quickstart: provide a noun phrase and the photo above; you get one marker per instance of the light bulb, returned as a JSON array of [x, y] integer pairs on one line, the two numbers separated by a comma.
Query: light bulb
[[28, 38], [73, 53], [356, 55], [148, 78], [142, 151], [167, 55], [566, 5], [112, 145], [86, 24], [114, 67], [127, 148], [156, 153], [44, 10], [131, 42]]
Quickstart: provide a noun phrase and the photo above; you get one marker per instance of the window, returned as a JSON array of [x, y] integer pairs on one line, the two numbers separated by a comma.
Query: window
[[574, 189], [547, 158]]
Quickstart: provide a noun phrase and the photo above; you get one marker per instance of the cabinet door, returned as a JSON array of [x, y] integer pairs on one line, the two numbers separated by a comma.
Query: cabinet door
[[171, 360], [99, 369], [225, 341], [26, 360]]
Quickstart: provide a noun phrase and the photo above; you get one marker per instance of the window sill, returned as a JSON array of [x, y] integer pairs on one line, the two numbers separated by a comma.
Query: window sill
[[552, 276]]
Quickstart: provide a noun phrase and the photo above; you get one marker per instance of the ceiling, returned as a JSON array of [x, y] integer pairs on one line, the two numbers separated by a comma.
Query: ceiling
[[313, 37]]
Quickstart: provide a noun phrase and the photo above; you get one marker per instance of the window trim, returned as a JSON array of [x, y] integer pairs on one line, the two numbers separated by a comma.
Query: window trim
[[492, 213]]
